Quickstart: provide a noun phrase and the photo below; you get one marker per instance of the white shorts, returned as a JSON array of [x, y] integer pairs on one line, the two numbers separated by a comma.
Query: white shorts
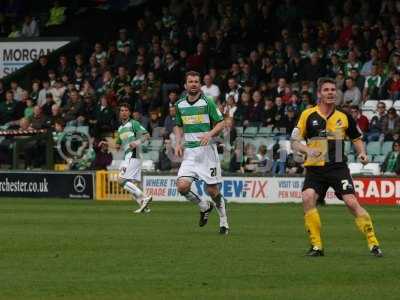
[[131, 169], [201, 163]]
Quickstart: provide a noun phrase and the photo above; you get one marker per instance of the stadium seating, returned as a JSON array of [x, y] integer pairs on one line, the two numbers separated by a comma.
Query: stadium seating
[[370, 105], [250, 132], [374, 148], [369, 114], [388, 103], [386, 148]]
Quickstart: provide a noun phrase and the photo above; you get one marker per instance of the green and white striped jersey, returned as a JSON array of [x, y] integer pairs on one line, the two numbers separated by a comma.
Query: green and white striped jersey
[[128, 133], [196, 118]]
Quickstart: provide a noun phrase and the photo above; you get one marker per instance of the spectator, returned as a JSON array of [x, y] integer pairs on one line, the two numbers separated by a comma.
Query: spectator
[[30, 27], [241, 115], [104, 118], [233, 90], [352, 95], [8, 108], [362, 121], [73, 109], [393, 86], [264, 163], [375, 132], [391, 125], [56, 15], [210, 89], [103, 158], [391, 165], [123, 40], [169, 122], [373, 83]]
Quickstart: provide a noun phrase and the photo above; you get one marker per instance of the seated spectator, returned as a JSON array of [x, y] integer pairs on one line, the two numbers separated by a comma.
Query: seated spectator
[[85, 159], [375, 132], [362, 121], [264, 162], [30, 27], [210, 89], [56, 15], [373, 83], [169, 122], [352, 95], [279, 157], [391, 165], [8, 108], [391, 125], [393, 86], [249, 164]]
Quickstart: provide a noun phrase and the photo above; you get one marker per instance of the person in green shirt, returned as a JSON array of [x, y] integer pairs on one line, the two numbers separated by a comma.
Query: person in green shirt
[[130, 135], [198, 121], [392, 161]]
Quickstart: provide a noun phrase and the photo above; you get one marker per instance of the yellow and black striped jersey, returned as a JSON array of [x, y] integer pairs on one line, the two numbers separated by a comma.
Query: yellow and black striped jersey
[[326, 134]]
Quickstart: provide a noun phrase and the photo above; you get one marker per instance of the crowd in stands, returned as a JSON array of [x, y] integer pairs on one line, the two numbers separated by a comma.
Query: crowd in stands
[[260, 61]]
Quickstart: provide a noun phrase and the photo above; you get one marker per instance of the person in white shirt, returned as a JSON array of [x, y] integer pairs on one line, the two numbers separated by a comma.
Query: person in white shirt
[[43, 92], [30, 27], [210, 89]]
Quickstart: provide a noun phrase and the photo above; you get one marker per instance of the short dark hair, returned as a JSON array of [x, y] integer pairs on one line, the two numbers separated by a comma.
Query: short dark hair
[[192, 73], [324, 80], [126, 105], [355, 107]]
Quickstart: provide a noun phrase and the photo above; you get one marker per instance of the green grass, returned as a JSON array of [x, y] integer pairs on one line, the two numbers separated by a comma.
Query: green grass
[[61, 249]]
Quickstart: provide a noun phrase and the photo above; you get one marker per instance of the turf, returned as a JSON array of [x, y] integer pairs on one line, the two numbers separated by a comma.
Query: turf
[[61, 249]]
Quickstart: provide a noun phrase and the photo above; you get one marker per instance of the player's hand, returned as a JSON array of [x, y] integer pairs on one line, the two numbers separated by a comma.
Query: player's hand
[[133, 145], [313, 153], [205, 139], [363, 158], [179, 151]]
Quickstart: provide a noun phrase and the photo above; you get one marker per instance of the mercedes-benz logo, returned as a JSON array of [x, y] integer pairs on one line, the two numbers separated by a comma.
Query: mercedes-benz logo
[[79, 184]]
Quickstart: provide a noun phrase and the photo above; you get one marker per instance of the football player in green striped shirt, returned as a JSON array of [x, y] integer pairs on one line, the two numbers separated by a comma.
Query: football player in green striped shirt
[[198, 120], [129, 137]]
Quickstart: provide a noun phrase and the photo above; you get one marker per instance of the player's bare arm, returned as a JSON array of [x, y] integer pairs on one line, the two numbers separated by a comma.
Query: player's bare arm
[[205, 140], [361, 153], [296, 139], [178, 147], [136, 143]]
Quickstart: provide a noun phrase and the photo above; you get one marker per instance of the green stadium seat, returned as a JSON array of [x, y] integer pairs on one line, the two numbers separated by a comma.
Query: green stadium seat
[[239, 131], [374, 148], [250, 132], [351, 158], [386, 148], [264, 131], [379, 158], [348, 149]]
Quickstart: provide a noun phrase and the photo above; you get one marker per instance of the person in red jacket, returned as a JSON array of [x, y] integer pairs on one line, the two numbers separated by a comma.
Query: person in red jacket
[[362, 121]]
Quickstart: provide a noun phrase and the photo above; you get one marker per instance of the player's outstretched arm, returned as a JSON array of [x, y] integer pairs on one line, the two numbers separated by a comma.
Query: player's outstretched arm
[[297, 146]]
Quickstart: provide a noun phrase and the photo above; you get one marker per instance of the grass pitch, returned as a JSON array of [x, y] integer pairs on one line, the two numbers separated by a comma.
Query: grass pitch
[[62, 249]]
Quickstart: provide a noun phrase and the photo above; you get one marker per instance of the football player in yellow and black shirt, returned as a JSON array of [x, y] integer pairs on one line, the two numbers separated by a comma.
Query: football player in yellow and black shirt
[[324, 127]]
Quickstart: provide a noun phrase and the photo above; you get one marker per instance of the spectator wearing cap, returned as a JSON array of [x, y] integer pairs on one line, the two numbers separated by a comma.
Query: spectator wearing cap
[[210, 89], [391, 125], [352, 95]]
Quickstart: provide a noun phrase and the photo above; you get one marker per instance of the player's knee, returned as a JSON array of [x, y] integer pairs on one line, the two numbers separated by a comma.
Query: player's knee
[[309, 197], [121, 181], [213, 191], [183, 187]]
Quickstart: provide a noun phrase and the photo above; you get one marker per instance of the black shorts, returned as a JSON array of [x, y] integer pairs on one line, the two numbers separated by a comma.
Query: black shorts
[[321, 178]]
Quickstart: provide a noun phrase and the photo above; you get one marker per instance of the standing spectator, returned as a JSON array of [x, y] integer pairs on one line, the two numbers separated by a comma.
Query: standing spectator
[[376, 124], [103, 156], [255, 114], [352, 95], [171, 75], [30, 27]]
